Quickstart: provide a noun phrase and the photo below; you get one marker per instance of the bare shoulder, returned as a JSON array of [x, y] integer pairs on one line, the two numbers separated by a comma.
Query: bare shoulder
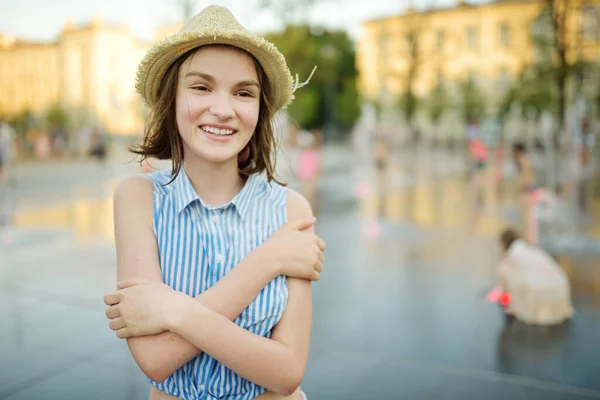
[[297, 206], [135, 188], [133, 201]]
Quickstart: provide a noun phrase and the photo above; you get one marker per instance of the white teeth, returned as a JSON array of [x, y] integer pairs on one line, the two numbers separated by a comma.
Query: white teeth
[[217, 131]]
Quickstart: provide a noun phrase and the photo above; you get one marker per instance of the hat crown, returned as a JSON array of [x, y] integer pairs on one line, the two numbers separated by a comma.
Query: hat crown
[[215, 25], [213, 18]]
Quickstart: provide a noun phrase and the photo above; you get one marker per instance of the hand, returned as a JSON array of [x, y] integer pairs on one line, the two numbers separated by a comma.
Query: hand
[[141, 307], [296, 253]]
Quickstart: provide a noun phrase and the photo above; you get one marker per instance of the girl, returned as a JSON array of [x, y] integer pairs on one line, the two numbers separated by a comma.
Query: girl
[[539, 288], [202, 250]]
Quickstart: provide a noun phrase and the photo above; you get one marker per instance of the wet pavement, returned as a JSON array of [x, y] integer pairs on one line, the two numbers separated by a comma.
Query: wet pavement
[[401, 312]]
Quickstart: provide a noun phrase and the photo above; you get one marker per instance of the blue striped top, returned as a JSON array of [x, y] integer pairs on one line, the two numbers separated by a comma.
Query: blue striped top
[[198, 244]]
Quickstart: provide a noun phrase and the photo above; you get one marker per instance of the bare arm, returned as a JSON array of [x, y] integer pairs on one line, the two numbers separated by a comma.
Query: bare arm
[[277, 364], [137, 256]]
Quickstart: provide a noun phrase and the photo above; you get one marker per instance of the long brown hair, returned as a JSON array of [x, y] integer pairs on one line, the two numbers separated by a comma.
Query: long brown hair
[[162, 141]]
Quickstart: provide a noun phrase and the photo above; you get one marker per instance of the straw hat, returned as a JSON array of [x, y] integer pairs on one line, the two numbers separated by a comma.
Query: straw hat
[[215, 25]]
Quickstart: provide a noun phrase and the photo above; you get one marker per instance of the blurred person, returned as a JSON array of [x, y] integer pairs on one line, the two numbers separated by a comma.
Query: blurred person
[[373, 193], [309, 164], [499, 168], [84, 140], [539, 289], [531, 195], [214, 293], [98, 145], [478, 154], [381, 156], [587, 144]]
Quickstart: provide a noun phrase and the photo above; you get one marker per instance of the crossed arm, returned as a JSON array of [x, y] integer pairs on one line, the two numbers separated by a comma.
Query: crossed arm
[[277, 364]]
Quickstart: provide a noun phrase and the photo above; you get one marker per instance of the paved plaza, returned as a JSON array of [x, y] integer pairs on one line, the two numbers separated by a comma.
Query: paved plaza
[[400, 312]]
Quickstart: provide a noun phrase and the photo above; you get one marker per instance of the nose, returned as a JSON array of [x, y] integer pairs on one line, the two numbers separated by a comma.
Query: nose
[[222, 107]]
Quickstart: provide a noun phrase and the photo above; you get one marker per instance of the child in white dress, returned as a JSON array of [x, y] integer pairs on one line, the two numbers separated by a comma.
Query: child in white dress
[[539, 289]]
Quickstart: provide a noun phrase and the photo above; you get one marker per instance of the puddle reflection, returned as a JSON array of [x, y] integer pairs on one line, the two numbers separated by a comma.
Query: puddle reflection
[[89, 218], [454, 204]]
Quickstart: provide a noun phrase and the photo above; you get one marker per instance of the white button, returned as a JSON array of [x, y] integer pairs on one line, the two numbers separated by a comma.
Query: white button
[[201, 387], [215, 218], [220, 257]]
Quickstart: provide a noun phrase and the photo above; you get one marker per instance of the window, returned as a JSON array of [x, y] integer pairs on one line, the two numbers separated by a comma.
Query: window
[[504, 35], [590, 24], [472, 38]]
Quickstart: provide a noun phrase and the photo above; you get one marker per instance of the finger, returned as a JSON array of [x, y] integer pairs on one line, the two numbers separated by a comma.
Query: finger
[[112, 312], [319, 267], [111, 299], [321, 256], [300, 225], [321, 243], [315, 276], [116, 324], [129, 282], [123, 333]]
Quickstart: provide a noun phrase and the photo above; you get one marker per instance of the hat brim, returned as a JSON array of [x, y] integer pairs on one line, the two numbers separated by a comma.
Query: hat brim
[[162, 55]]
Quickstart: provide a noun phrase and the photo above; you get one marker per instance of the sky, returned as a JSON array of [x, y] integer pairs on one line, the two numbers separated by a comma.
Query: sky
[[42, 20]]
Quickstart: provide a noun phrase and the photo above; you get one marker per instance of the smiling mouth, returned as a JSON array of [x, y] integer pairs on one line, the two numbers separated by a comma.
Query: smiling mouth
[[217, 131]]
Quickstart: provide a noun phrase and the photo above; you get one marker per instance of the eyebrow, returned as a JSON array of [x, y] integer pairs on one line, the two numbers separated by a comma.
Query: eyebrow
[[211, 79]]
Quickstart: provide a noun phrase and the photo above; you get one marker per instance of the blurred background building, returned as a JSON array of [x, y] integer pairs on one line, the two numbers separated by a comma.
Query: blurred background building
[[471, 59], [89, 70], [427, 72]]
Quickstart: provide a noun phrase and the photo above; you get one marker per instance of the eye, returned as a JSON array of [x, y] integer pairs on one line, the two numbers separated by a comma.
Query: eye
[[200, 88], [245, 94]]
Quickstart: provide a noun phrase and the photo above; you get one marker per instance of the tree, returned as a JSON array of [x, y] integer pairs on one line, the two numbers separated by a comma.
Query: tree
[[21, 122], [57, 118], [414, 29], [438, 102], [557, 34], [331, 98], [408, 101], [473, 100], [531, 91]]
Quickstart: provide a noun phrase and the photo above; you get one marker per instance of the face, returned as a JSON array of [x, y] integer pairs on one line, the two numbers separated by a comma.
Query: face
[[217, 104]]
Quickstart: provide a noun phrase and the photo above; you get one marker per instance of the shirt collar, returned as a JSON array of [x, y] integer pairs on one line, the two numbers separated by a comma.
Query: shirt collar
[[185, 194], [183, 191], [244, 199]]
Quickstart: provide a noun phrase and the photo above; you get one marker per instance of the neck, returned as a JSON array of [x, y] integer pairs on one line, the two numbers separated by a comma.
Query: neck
[[216, 184]]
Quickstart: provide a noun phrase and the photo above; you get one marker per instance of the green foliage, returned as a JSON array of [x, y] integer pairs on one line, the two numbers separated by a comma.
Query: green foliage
[[438, 102], [407, 103], [57, 118], [22, 122], [348, 105], [533, 88], [473, 100], [307, 109], [331, 97]]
